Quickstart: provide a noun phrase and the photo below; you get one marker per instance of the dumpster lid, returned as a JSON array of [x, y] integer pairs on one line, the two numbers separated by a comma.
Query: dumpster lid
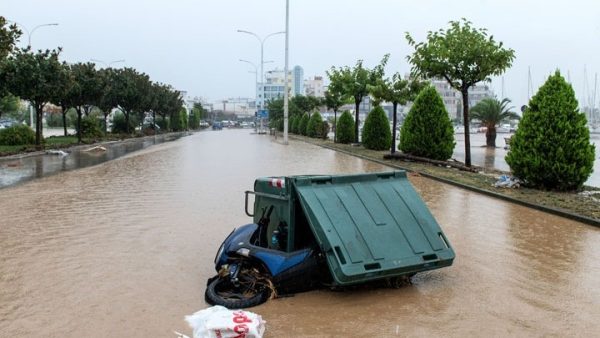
[[371, 225]]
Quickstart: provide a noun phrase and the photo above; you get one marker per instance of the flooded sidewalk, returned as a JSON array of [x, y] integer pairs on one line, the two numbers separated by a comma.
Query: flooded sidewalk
[[124, 249]]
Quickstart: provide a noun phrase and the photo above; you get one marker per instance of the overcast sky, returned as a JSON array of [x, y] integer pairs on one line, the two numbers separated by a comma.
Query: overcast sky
[[194, 46]]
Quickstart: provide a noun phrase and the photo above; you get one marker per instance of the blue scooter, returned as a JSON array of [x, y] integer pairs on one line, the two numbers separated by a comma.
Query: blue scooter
[[249, 272]]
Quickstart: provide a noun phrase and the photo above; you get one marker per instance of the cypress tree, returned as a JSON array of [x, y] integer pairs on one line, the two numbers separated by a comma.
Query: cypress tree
[[551, 149], [303, 124], [427, 130], [315, 125], [345, 128], [376, 133]]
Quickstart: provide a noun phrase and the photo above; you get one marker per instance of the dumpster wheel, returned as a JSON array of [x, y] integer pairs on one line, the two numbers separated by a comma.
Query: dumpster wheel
[[251, 290]]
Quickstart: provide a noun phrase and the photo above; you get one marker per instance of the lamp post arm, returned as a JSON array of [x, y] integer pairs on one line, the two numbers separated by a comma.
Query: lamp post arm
[[36, 27]]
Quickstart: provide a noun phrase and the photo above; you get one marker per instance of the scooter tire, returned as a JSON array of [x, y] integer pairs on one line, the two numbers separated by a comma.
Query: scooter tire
[[213, 297]]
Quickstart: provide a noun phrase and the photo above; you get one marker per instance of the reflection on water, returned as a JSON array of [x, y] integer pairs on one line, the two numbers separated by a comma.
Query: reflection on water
[[494, 158], [124, 248], [16, 170]]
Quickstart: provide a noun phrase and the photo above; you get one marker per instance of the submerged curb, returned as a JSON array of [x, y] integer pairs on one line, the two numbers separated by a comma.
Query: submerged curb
[[554, 211]]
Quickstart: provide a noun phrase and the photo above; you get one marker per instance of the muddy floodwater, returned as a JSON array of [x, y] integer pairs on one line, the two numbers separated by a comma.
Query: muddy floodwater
[[124, 248]]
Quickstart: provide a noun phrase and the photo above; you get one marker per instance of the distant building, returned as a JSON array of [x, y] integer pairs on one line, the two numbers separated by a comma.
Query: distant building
[[298, 81], [452, 98], [274, 85], [241, 106], [314, 86]]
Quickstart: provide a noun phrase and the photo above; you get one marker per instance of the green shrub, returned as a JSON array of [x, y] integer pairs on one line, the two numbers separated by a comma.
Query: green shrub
[[376, 133], [17, 135], [315, 126], [427, 130], [91, 127], [345, 128], [163, 123], [303, 124], [325, 130], [194, 119], [179, 120], [296, 124], [551, 149], [119, 125]]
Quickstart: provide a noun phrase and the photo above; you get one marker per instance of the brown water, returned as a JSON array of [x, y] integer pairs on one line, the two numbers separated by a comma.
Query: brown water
[[124, 248]]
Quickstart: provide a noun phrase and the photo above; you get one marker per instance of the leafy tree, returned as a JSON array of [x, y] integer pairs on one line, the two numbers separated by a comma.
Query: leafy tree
[[397, 91], [334, 99], [119, 123], [64, 94], [492, 112], [376, 133], [315, 125], [106, 103], [354, 82], [463, 56], [167, 102], [34, 77], [303, 124], [178, 121], [86, 91], [194, 119], [9, 104], [306, 104], [9, 35], [345, 128], [129, 91], [551, 149], [427, 130]]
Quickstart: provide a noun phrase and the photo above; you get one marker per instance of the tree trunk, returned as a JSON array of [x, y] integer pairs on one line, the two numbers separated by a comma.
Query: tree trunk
[[64, 118], [356, 119], [394, 123], [78, 124], [154, 122], [335, 125], [490, 137], [126, 121], [38, 125], [106, 122], [465, 99]]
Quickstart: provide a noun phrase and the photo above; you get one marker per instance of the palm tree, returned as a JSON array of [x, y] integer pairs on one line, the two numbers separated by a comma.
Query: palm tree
[[492, 112]]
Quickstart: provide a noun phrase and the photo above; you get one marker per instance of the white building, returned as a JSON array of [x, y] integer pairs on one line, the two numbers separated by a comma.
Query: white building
[[314, 86], [274, 85]]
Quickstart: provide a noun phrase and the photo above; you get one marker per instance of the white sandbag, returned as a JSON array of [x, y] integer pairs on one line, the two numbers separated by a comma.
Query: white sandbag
[[220, 322]]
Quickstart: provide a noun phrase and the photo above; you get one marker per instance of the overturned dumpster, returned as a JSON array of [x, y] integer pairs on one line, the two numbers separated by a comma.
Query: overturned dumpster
[[317, 230]]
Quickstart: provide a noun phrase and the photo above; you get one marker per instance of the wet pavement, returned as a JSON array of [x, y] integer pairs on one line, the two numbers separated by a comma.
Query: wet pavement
[[124, 248], [21, 168]]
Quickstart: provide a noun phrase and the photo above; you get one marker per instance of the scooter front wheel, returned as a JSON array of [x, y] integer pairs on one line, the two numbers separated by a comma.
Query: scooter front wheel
[[249, 292]]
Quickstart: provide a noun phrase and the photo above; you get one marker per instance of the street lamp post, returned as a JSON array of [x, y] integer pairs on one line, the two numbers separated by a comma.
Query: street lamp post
[[29, 34], [107, 64], [286, 94], [262, 45]]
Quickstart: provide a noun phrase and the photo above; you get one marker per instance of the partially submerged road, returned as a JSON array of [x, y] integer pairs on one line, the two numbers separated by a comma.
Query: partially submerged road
[[124, 248]]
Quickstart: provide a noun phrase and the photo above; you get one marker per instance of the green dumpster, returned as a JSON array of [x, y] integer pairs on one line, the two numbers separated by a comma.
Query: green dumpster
[[368, 226]]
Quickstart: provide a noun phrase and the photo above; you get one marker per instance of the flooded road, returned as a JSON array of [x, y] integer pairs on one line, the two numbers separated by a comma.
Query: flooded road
[[124, 248]]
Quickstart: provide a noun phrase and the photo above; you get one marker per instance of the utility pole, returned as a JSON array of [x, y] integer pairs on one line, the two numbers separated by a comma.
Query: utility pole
[[286, 94]]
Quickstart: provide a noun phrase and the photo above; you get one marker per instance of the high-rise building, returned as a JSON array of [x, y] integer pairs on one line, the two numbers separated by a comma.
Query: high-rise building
[[298, 81]]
